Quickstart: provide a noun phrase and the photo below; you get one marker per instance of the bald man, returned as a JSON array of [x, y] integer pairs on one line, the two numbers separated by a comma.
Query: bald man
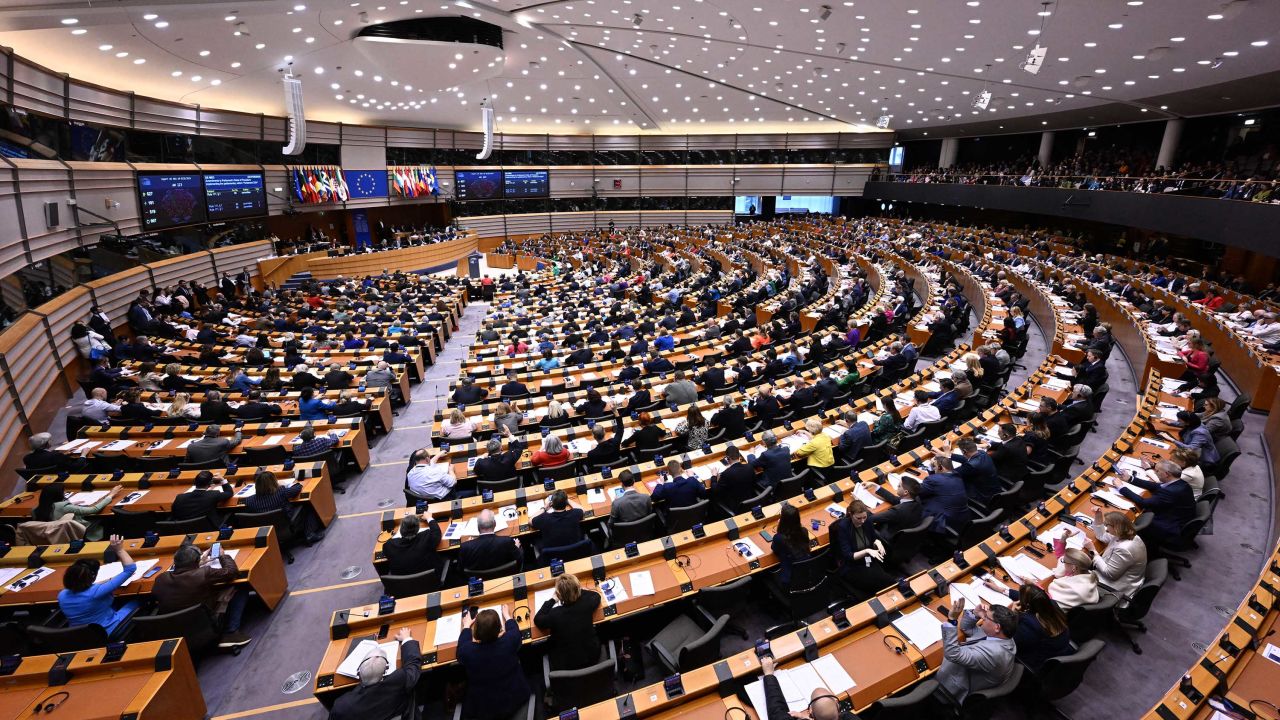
[[382, 695], [823, 704], [488, 550]]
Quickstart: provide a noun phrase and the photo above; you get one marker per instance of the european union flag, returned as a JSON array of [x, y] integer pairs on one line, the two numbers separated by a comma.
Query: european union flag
[[366, 183]]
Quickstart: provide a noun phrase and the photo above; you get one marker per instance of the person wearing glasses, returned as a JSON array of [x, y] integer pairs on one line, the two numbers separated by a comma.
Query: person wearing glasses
[[823, 704], [382, 695]]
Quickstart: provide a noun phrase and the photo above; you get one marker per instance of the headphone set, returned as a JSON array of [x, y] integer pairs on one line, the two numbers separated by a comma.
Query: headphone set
[[48, 705], [895, 643], [515, 614]]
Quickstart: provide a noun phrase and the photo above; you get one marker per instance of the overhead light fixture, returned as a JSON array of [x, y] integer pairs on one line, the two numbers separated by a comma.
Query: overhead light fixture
[[826, 12], [636, 20], [1035, 60], [69, 21], [883, 121], [982, 100]]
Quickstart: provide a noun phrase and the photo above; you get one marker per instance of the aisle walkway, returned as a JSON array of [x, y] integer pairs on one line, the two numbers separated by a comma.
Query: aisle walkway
[[294, 637]]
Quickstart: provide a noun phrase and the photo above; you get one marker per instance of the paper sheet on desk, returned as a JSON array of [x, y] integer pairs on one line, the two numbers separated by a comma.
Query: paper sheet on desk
[[1028, 406], [26, 580], [86, 498], [834, 676], [69, 446], [1058, 383], [671, 423], [1024, 567], [454, 531], [1157, 443], [448, 628], [795, 441], [187, 443], [868, 418], [110, 570], [160, 444], [540, 597], [921, 628], [869, 499], [706, 472], [746, 548], [7, 574], [131, 498], [613, 590], [1115, 499], [975, 593], [641, 583], [245, 491], [1075, 541], [351, 665], [595, 495], [582, 446], [834, 431], [118, 445]]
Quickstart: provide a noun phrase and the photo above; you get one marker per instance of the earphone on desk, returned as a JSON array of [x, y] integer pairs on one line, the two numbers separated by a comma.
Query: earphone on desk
[[515, 614], [48, 705], [896, 644]]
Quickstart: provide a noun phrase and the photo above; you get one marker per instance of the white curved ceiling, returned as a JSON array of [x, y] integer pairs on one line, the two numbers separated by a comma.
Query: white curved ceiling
[[699, 66]]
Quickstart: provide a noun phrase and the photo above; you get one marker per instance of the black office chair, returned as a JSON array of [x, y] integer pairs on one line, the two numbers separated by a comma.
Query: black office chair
[[526, 712], [582, 548], [680, 519], [286, 535], [131, 524], [511, 483], [567, 471], [582, 687], [718, 600], [500, 571], [1131, 615], [51, 641], [152, 464], [915, 702], [421, 583], [1060, 676], [906, 543], [980, 702], [807, 592], [194, 624], [684, 644], [1084, 622], [761, 499], [330, 459], [619, 534], [185, 527], [264, 456]]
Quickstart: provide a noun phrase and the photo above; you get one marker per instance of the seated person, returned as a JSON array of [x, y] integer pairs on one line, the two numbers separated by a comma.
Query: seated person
[[382, 695], [84, 602], [487, 550], [414, 549], [202, 500], [197, 578], [679, 490], [489, 654], [569, 618], [560, 523], [430, 475], [860, 551], [211, 447]]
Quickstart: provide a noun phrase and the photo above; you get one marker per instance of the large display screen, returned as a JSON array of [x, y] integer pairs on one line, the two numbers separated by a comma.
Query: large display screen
[[477, 184], [525, 184], [169, 199], [231, 195]]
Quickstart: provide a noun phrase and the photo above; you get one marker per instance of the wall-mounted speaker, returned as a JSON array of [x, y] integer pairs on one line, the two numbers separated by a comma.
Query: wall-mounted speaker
[[51, 215]]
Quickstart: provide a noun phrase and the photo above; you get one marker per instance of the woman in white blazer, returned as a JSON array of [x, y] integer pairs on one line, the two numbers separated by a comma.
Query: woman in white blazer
[[1074, 583], [1122, 563]]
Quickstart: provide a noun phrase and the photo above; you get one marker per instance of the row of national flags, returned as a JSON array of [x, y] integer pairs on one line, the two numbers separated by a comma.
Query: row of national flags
[[316, 184]]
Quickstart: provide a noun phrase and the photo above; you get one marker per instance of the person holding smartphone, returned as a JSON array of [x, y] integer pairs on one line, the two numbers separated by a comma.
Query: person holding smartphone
[[206, 579], [489, 653]]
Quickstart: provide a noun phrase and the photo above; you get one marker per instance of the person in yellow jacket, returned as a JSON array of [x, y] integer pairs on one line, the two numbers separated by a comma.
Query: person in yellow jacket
[[818, 450]]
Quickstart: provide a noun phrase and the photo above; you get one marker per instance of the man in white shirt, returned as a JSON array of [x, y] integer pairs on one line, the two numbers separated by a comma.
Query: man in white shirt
[[96, 406], [1266, 330], [429, 478], [923, 412]]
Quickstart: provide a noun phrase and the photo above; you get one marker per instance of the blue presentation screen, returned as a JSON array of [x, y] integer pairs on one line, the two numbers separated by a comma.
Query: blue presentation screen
[[234, 195], [366, 183], [170, 199], [478, 184], [526, 183]]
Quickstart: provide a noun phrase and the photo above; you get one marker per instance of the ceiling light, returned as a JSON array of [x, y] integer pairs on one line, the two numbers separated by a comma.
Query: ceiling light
[[235, 64], [215, 81], [310, 40], [1230, 53], [139, 61], [1091, 44], [204, 53], [300, 8], [162, 24], [1177, 39], [104, 48], [69, 21], [176, 73], [79, 31], [319, 70], [230, 18], [150, 16], [1259, 43], [196, 78], [1116, 26], [1215, 16], [259, 46]]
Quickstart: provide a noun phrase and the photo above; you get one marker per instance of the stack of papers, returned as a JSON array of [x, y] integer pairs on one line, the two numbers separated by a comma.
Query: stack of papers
[[746, 548], [975, 593], [641, 583], [69, 446], [118, 445], [1025, 568], [582, 446], [798, 684], [131, 497], [871, 500], [27, 579], [351, 664], [1075, 541], [1115, 499]]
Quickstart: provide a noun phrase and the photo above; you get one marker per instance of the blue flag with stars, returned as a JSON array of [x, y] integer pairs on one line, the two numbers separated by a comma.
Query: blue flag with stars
[[366, 183]]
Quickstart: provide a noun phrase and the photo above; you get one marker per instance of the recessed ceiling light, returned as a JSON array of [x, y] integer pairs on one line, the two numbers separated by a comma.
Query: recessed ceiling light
[[310, 40], [235, 64], [176, 73], [1091, 44], [1116, 26], [1259, 43], [337, 22], [105, 48], [1179, 69], [122, 54], [150, 16], [204, 53], [300, 8], [162, 24], [1230, 53], [139, 61], [1139, 57], [319, 70], [1135, 3], [1215, 16], [79, 31], [69, 21], [1177, 39], [196, 78], [215, 81], [230, 18], [259, 46]]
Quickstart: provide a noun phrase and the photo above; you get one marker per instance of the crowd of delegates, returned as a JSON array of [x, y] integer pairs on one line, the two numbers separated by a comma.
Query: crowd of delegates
[[385, 237], [1091, 172]]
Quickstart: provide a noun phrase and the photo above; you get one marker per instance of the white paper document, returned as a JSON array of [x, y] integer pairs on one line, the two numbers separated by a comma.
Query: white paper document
[[746, 548], [540, 597], [641, 583], [26, 580], [448, 628], [834, 676], [1025, 568], [1114, 498], [921, 628], [1075, 541], [116, 445], [110, 570], [87, 498], [351, 664], [131, 497]]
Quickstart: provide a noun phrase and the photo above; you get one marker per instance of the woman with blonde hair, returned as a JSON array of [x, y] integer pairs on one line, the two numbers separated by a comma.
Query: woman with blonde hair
[[182, 407], [457, 427], [818, 449], [1188, 458], [569, 618]]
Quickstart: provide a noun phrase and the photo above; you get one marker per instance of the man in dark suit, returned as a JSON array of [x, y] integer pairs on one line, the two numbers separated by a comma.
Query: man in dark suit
[[894, 362], [1079, 407], [822, 703], [468, 393], [632, 504], [976, 469], [942, 496], [629, 370], [414, 551], [712, 378], [853, 439], [347, 404], [337, 378], [736, 483], [946, 399], [487, 551], [826, 388], [1172, 501], [255, 409], [905, 511], [731, 419], [658, 364], [382, 696], [679, 490], [512, 388], [499, 465], [765, 406], [1093, 371], [214, 409], [304, 379], [202, 500], [579, 356], [1010, 454], [606, 450], [1054, 420], [211, 446], [774, 462], [42, 457], [802, 394]]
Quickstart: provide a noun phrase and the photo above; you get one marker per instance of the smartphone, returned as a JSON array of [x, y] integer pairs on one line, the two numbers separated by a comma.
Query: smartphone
[[762, 648], [155, 570], [216, 550]]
